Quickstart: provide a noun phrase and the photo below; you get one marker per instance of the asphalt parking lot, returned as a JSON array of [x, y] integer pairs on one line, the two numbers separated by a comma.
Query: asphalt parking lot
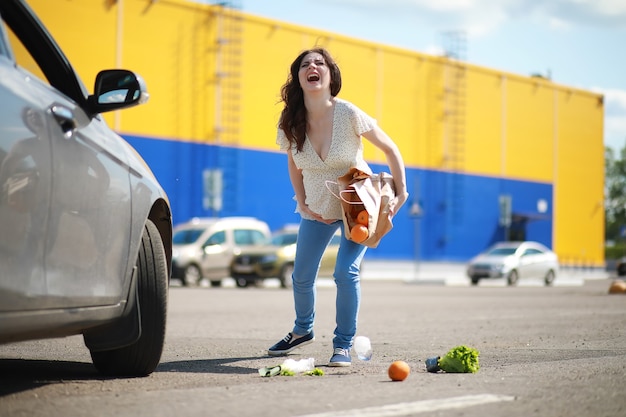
[[549, 352]]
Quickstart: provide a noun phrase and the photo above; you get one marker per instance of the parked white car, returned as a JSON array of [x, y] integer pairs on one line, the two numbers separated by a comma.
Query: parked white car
[[203, 248], [515, 261]]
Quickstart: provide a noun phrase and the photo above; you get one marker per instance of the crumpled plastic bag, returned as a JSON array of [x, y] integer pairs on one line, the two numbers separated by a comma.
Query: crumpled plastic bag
[[292, 365]]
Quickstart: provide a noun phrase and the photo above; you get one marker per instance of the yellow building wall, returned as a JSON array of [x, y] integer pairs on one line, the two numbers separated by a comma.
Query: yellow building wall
[[484, 139], [529, 131], [167, 43], [579, 194], [514, 127]]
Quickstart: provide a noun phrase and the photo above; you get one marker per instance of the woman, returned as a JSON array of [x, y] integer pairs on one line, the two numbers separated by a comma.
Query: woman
[[322, 137]]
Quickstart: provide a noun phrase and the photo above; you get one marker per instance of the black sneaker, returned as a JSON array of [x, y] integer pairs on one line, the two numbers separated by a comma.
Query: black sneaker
[[288, 344], [341, 357]]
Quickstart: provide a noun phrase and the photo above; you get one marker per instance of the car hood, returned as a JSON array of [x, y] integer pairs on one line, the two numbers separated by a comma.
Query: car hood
[[493, 259]]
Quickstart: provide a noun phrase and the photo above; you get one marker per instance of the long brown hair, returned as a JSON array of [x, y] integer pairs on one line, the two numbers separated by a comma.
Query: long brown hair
[[293, 117]]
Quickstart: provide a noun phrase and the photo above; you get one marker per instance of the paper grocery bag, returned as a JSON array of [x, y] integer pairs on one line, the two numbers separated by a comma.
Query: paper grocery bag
[[359, 191]]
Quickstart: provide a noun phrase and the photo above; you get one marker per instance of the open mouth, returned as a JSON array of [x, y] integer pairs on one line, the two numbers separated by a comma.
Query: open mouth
[[313, 77]]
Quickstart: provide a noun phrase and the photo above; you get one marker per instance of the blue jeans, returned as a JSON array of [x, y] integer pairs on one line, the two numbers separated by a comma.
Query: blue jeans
[[313, 238]]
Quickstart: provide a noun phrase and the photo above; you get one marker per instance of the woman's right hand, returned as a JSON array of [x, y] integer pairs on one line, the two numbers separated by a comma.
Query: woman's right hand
[[305, 209]]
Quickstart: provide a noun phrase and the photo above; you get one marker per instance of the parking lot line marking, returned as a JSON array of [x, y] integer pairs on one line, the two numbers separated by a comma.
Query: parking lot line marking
[[410, 408]]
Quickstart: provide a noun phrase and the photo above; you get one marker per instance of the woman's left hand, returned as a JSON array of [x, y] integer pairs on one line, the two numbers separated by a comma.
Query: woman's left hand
[[397, 203]]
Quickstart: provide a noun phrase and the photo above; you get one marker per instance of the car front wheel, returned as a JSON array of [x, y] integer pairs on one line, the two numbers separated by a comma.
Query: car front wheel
[[549, 278], [192, 275], [512, 278], [285, 276], [241, 282], [142, 357]]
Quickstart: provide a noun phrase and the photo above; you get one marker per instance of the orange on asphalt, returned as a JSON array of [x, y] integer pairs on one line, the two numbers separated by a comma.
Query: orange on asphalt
[[617, 287], [399, 370]]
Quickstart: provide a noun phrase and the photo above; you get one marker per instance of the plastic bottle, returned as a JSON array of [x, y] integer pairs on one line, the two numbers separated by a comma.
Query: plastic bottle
[[363, 348], [432, 364]]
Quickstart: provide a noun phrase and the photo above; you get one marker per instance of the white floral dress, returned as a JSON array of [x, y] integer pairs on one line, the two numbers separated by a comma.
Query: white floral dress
[[346, 151]]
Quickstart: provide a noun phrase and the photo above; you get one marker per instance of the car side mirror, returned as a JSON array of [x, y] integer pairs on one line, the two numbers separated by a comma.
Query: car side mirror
[[117, 89]]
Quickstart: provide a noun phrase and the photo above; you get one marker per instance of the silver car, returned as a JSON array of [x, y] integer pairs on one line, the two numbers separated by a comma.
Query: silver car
[[85, 229], [515, 261]]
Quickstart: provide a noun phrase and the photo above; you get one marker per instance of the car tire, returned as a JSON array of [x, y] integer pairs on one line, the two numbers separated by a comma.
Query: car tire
[[142, 357], [285, 276], [241, 282], [475, 280], [512, 278], [621, 269], [549, 278], [192, 275]]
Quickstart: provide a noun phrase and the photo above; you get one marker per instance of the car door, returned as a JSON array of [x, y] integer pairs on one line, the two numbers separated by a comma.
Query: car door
[[538, 262], [529, 263], [217, 253], [223, 245], [84, 243], [87, 246], [25, 187]]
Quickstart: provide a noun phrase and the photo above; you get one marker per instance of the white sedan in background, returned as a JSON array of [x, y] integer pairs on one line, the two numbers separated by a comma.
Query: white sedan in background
[[514, 261]]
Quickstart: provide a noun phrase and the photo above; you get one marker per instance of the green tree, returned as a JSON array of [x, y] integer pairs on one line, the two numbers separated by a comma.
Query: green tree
[[614, 192]]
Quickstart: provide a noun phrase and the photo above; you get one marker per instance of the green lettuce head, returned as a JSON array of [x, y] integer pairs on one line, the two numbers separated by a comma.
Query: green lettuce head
[[461, 359]]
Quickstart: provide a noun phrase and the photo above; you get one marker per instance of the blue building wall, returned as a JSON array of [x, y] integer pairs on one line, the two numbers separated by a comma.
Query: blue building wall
[[458, 214]]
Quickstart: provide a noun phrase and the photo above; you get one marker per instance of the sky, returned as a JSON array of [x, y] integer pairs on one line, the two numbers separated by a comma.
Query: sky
[[576, 43]]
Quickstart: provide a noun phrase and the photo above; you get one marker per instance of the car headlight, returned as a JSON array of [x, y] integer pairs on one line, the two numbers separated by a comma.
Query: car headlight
[[504, 268]]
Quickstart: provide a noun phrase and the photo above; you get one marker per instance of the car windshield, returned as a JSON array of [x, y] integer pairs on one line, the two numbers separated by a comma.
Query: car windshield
[[186, 236], [502, 251], [284, 239]]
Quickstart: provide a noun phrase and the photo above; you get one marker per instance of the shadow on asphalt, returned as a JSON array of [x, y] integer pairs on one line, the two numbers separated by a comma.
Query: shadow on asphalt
[[213, 366], [17, 375]]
